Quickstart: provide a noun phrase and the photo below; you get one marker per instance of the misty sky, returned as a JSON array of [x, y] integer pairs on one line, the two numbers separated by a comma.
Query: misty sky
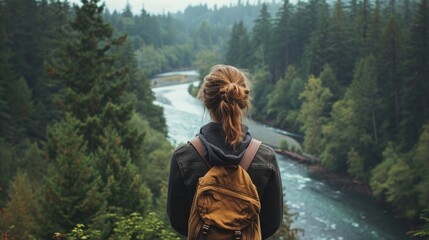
[[163, 6]]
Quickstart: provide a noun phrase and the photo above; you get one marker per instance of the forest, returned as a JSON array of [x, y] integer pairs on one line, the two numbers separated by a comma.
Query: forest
[[84, 150]]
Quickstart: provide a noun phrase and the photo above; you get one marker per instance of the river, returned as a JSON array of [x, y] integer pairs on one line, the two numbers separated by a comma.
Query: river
[[323, 211]]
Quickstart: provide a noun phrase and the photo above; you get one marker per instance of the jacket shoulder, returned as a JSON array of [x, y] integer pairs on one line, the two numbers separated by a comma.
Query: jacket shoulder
[[184, 150], [265, 154]]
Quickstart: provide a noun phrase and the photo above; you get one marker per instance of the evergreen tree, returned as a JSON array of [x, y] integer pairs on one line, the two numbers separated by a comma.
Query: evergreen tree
[[7, 164], [362, 25], [72, 188], [22, 26], [20, 109], [415, 93], [6, 76], [364, 95], [304, 20], [139, 86], [281, 40], [124, 185], [205, 35], [261, 37], [96, 98], [20, 216], [279, 104], [53, 17], [330, 81], [315, 52], [238, 53], [94, 88], [340, 50], [391, 52]]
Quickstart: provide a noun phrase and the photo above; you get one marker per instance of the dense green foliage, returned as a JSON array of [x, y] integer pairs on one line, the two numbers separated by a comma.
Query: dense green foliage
[[364, 109], [83, 147], [76, 105]]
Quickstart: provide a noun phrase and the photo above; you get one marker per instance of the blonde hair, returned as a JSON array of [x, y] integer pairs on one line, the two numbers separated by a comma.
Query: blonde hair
[[225, 93]]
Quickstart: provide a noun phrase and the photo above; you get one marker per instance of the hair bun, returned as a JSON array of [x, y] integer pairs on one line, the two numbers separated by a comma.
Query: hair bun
[[233, 92]]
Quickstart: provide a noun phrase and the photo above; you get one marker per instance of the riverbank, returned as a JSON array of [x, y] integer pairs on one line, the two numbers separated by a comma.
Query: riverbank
[[342, 181], [319, 172], [173, 78]]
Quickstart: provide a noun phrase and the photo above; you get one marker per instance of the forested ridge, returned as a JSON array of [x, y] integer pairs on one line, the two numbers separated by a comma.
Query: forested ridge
[[352, 77], [84, 152], [84, 149]]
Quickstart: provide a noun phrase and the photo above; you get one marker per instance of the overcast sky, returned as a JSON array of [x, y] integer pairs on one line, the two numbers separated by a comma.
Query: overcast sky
[[163, 6]]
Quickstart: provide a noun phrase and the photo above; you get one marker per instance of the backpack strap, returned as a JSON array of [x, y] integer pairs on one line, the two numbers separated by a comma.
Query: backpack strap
[[198, 145], [250, 153], [245, 161]]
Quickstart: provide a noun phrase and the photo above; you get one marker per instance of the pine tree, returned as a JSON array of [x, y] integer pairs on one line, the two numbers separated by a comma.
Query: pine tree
[[261, 36], [22, 25], [315, 51], [20, 109], [95, 96], [340, 49], [392, 52], [330, 81], [6, 76], [53, 17], [362, 24], [415, 93], [6, 167], [139, 86], [94, 88], [281, 40], [238, 53], [72, 188], [365, 96], [124, 185], [20, 215], [303, 23]]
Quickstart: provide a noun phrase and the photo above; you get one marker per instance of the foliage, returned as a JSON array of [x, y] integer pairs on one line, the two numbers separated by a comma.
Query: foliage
[[312, 114], [19, 220], [372, 56], [391, 180], [72, 188], [356, 167], [282, 102], [284, 145], [136, 226], [424, 231]]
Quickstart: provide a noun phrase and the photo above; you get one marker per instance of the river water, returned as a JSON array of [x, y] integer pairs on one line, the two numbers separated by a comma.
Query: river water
[[322, 211]]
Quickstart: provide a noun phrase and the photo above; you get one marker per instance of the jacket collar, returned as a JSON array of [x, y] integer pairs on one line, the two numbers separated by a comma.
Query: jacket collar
[[219, 152]]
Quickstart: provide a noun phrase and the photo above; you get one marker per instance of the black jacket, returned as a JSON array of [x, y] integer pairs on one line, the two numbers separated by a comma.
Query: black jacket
[[187, 167]]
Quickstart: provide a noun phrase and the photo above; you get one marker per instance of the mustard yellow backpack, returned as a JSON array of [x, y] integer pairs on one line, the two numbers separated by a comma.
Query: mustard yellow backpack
[[226, 203]]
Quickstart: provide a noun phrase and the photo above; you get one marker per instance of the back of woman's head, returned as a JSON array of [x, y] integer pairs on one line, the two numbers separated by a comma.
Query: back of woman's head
[[225, 93]]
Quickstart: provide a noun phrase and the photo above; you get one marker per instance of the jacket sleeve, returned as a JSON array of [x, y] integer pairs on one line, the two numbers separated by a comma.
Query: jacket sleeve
[[177, 207], [272, 203]]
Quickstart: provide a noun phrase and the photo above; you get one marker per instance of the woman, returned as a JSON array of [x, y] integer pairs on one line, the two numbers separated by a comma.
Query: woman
[[225, 93]]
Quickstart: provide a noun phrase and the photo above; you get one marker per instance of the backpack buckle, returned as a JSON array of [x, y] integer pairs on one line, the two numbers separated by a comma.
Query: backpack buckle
[[205, 229], [237, 235]]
